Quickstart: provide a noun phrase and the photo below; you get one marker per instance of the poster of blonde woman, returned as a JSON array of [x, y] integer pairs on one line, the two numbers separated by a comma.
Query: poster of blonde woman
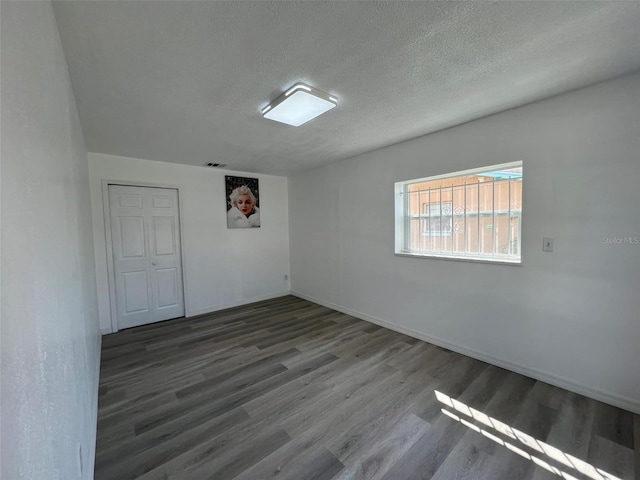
[[243, 199]]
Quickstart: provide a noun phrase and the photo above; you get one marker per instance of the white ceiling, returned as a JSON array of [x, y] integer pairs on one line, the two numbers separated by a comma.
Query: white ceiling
[[183, 82]]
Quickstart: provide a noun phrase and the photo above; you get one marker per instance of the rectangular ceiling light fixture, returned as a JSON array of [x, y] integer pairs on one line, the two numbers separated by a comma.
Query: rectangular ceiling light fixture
[[299, 104]]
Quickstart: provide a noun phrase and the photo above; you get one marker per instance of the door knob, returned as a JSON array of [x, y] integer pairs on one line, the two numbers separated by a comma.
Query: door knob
[[154, 263]]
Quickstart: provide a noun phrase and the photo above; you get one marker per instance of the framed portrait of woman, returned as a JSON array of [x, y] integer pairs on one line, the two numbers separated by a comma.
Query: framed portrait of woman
[[243, 202]]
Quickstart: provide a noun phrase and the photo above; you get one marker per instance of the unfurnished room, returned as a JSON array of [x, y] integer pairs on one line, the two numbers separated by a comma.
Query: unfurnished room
[[320, 240]]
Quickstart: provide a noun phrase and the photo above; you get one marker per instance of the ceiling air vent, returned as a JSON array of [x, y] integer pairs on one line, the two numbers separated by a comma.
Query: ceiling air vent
[[215, 165]]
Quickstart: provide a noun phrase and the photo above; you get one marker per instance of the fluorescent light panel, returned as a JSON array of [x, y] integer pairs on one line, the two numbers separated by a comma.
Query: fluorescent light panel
[[299, 104]]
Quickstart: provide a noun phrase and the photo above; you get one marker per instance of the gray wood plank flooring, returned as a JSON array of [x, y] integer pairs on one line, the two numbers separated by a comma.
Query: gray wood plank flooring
[[286, 389]]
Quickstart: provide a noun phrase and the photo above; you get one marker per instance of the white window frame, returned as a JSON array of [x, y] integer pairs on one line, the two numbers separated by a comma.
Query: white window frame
[[403, 218]]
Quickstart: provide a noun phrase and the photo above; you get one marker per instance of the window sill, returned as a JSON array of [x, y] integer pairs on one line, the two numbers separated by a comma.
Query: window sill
[[491, 261]]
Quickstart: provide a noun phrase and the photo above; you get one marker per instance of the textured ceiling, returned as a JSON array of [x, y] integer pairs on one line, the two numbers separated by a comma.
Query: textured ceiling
[[183, 82]]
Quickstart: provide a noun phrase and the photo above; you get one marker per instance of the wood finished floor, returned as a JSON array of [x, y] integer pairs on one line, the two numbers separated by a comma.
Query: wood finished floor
[[287, 389]]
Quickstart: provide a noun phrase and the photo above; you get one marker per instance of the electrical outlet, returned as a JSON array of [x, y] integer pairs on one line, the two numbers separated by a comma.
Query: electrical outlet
[[547, 244]]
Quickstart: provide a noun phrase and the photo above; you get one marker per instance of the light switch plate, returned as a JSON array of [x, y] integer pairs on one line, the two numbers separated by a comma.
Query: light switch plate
[[547, 244]]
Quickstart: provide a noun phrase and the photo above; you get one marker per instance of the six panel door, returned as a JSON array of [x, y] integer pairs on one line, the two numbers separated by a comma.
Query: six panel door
[[147, 266]]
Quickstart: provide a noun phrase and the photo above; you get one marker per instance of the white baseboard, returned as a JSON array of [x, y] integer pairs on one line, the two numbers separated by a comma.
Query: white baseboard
[[94, 412], [246, 301], [612, 399], [204, 311]]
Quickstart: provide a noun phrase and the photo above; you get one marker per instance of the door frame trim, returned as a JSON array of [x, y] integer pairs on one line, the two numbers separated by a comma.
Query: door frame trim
[[107, 230]]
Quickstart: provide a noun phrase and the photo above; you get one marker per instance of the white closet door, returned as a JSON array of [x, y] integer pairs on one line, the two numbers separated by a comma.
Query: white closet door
[[145, 234]]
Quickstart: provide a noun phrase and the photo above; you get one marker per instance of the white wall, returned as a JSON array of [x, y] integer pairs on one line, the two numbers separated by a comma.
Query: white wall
[[222, 267], [571, 317], [50, 338]]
